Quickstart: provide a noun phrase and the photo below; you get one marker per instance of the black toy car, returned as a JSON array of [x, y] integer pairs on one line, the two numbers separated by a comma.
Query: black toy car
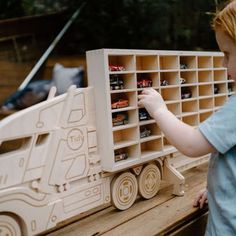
[[216, 89], [116, 83], [119, 156], [183, 66], [143, 114], [145, 132], [186, 93], [164, 83], [182, 80]]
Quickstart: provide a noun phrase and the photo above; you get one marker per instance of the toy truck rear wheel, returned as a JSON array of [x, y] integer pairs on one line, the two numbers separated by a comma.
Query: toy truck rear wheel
[[149, 181], [124, 190], [9, 226]]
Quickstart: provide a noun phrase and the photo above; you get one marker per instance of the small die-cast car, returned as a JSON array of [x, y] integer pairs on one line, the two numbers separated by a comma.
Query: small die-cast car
[[145, 133], [120, 104], [230, 87], [144, 83], [216, 89], [143, 115], [186, 93], [116, 83], [119, 156], [182, 80], [164, 83], [120, 118], [183, 66], [116, 68]]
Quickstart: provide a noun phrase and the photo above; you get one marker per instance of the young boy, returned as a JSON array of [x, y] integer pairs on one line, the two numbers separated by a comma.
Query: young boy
[[216, 135]]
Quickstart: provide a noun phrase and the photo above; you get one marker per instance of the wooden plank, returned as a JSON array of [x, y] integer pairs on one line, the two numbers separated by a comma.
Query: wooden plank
[[32, 24], [149, 217], [197, 225]]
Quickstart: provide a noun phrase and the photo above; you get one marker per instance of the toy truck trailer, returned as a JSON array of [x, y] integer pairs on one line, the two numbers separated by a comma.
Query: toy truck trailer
[[51, 170]]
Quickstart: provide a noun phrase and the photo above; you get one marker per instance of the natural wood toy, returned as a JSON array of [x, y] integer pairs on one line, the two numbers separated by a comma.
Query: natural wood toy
[[76, 151]]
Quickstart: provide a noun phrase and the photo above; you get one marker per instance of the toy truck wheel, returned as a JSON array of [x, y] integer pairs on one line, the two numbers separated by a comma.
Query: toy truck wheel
[[149, 181], [124, 190], [9, 226]]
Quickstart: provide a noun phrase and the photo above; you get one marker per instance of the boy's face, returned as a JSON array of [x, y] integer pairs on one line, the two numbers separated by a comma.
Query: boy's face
[[228, 46]]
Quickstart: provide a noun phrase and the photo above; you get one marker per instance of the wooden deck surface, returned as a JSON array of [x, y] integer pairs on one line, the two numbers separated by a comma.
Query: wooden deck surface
[[158, 216]]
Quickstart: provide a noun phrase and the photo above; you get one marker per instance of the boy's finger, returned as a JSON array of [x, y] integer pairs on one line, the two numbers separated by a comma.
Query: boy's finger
[[196, 202], [202, 202], [141, 96]]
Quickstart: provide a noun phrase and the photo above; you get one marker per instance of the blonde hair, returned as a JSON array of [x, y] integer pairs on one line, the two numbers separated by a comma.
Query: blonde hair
[[226, 19]]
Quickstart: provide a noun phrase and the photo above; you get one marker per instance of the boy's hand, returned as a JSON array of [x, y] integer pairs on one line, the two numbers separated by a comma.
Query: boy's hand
[[201, 199], [152, 101]]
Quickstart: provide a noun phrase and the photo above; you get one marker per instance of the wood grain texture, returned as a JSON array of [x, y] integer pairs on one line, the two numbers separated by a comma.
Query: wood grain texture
[[151, 217]]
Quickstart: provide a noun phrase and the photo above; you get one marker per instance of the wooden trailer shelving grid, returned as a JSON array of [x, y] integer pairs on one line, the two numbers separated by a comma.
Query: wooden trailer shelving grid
[[174, 74]]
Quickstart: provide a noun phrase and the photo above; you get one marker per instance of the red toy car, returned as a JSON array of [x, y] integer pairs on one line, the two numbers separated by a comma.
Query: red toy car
[[120, 104], [144, 83], [116, 68]]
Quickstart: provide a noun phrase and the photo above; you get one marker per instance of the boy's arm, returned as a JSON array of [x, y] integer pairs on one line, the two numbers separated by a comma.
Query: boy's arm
[[185, 138]]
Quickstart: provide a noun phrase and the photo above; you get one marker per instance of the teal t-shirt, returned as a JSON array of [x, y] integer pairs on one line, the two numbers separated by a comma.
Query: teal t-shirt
[[220, 130]]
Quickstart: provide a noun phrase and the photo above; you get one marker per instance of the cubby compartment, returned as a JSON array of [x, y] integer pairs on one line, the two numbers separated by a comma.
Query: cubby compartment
[[206, 90], [174, 108], [218, 61], [188, 62], [124, 119], [123, 100], [149, 131], [205, 76], [189, 92], [146, 62], [189, 77], [204, 116], [122, 82], [168, 62], [126, 153], [220, 75], [206, 104], [205, 62], [122, 62], [220, 88], [170, 94], [126, 137], [219, 101], [191, 120], [145, 80], [151, 147], [169, 78], [189, 107]]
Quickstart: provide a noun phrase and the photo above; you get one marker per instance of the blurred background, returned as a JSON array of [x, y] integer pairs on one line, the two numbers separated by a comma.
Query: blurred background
[[143, 24], [28, 28]]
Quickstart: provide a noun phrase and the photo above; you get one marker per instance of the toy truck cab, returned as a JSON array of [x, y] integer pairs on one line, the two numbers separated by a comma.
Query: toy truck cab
[[54, 171]]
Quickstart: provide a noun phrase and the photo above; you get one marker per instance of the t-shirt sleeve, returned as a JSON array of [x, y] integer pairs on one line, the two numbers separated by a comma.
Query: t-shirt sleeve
[[220, 128]]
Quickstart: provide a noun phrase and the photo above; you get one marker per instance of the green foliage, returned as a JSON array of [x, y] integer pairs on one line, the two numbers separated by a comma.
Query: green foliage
[[32, 7], [10, 8]]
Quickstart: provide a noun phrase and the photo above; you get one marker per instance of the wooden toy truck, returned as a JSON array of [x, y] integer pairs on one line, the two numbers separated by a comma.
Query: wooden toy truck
[[59, 157]]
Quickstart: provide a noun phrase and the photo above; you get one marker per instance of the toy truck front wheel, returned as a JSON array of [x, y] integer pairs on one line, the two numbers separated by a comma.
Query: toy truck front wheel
[[9, 226]]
